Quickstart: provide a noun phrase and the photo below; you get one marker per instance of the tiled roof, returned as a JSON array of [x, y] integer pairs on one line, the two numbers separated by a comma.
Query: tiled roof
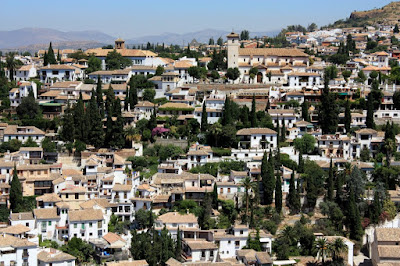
[[176, 217], [252, 131], [52, 255], [15, 229], [112, 237], [128, 263], [120, 187], [15, 242], [21, 216], [46, 214], [272, 52], [13, 130], [85, 215], [123, 52], [49, 197], [200, 244], [387, 234]]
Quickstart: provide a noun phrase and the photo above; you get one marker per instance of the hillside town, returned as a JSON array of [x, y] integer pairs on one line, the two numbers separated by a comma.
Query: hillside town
[[244, 150]]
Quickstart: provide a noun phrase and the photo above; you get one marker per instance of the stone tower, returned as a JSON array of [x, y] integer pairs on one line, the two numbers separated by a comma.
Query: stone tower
[[233, 50], [119, 44]]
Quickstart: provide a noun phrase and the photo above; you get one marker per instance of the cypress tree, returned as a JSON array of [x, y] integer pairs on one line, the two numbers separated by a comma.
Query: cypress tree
[[301, 162], [370, 113], [45, 59], [304, 111], [133, 98], [79, 120], [58, 56], [253, 115], [227, 113], [50, 55], [347, 117], [244, 116], [283, 131], [291, 198], [278, 194], [328, 111], [215, 196], [153, 121], [269, 181], [68, 126], [354, 219], [264, 174], [339, 190], [99, 97], [16, 198], [329, 194], [118, 127], [204, 120], [110, 101], [126, 101], [96, 132], [178, 247], [268, 106], [297, 202], [376, 209]]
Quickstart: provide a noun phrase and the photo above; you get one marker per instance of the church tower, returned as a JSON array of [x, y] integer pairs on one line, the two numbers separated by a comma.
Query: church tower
[[233, 50], [119, 44]]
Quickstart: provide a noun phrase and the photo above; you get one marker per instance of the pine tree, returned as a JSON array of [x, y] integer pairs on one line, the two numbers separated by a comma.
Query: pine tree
[[204, 119], [370, 114], [301, 162], [329, 185], [51, 56], [304, 111], [68, 126], [16, 198], [347, 117], [99, 97], [96, 132], [269, 181], [278, 194], [253, 115]]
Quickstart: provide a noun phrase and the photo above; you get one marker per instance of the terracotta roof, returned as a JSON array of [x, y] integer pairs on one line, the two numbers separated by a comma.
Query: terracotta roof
[[46, 214], [90, 203], [183, 64], [124, 52], [85, 215], [49, 197], [253, 131], [13, 130], [120, 187], [15, 229], [52, 255], [175, 105], [128, 263], [272, 52], [66, 84], [176, 217], [366, 131], [112, 237], [21, 216], [15, 242], [200, 244], [61, 67], [145, 104]]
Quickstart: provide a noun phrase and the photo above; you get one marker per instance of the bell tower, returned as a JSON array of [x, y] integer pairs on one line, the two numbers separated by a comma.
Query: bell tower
[[233, 50], [119, 44]]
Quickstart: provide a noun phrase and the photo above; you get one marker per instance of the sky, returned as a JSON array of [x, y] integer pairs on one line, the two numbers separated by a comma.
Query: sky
[[136, 18]]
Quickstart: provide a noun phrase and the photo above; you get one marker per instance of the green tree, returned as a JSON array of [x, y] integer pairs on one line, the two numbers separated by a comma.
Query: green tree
[[321, 246], [204, 119], [253, 116], [354, 219], [149, 94], [278, 194], [396, 29], [51, 58], [347, 117], [68, 126], [12, 64], [78, 248], [115, 60], [232, 73], [29, 108], [94, 64], [160, 70], [220, 41], [81, 129], [30, 143], [96, 132], [370, 114], [211, 41], [328, 110], [361, 76], [268, 179], [293, 199], [16, 198], [248, 185], [244, 35], [99, 97], [330, 183], [304, 111], [48, 145]]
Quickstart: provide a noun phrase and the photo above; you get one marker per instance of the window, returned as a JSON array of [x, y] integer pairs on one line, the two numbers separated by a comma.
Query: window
[[174, 225], [90, 224], [75, 225], [237, 243], [49, 223], [55, 72], [203, 254], [76, 196], [241, 232]]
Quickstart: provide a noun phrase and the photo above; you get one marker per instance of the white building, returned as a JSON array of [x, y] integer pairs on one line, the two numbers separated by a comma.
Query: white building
[[25, 72], [17, 251], [54, 257], [86, 224], [22, 133], [173, 220], [51, 73], [17, 94]]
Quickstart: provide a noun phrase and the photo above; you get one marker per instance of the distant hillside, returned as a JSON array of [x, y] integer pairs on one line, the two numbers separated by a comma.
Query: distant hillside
[[33, 48], [202, 36], [30, 36], [389, 15]]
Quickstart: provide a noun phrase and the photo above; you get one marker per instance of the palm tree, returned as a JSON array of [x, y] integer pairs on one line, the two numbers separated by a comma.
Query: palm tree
[[131, 135], [289, 234], [215, 131], [247, 184], [12, 64], [322, 248], [336, 248]]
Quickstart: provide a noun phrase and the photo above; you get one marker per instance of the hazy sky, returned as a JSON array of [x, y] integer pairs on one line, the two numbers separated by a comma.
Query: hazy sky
[[131, 18]]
